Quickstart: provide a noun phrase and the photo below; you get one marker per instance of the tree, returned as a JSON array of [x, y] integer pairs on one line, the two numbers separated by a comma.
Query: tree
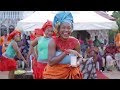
[[116, 14], [112, 34]]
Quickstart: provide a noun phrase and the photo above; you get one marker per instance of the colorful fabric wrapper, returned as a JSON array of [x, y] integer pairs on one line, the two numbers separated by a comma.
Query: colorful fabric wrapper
[[7, 64], [38, 69], [62, 71]]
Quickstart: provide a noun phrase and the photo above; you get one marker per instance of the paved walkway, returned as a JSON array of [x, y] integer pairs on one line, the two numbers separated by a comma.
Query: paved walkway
[[4, 75], [112, 75]]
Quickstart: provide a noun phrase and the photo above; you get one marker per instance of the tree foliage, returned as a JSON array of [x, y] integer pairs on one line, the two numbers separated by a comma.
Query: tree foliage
[[116, 14]]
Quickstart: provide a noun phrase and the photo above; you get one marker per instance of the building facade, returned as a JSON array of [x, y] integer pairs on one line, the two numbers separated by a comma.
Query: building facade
[[9, 19]]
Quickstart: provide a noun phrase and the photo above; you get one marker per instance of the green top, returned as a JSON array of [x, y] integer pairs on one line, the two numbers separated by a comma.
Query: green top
[[42, 48], [10, 52], [97, 43]]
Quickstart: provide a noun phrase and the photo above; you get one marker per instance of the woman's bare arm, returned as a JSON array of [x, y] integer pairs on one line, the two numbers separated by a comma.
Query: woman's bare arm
[[52, 59], [31, 49], [16, 48]]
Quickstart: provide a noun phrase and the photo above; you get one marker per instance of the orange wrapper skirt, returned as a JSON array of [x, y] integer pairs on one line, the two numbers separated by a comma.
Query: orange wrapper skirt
[[62, 71]]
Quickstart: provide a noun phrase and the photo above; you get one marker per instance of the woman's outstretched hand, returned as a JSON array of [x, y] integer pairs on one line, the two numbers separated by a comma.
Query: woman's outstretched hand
[[74, 52]]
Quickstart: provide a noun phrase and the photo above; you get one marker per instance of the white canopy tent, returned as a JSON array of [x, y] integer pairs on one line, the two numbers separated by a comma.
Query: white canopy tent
[[83, 20]]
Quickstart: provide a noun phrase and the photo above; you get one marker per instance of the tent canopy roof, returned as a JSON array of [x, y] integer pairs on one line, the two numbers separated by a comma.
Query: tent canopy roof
[[83, 20]]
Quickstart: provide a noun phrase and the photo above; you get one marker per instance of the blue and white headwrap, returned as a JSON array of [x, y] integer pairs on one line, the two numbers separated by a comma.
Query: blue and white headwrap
[[61, 17]]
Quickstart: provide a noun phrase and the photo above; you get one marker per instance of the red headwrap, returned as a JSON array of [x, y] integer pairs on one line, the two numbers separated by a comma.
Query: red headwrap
[[95, 49], [47, 25], [39, 32], [12, 34], [54, 34], [90, 42], [32, 36]]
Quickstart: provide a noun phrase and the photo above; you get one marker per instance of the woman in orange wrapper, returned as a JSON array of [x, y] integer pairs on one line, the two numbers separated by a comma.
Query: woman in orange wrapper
[[7, 61], [117, 39], [61, 48]]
